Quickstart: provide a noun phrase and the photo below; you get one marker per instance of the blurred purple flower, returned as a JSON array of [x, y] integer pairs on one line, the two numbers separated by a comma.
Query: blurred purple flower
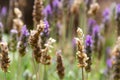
[[46, 29], [118, 9], [3, 11], [56, 3], [109, 63], [74, 42], [96, 30], [47, 10], [24, 31], [106, 15], [89, 41], [91, 23]]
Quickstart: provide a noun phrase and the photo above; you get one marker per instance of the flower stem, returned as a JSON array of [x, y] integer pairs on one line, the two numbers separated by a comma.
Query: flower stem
[[5, 76], [45, 77], [82, 73]]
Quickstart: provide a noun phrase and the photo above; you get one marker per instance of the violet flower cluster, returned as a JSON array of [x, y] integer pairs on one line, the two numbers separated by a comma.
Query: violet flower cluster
[[91, 24], [22, 44], [106, 15], [88, 48], [96, 38]]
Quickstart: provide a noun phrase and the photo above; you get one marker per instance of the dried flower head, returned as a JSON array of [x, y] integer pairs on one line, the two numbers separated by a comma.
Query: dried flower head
[[116, 61], [5, 61], [37, 12], [33, 38], [17, 12], [81, 56], [60, 67], [75, 6], [93, 9], [45, 57]]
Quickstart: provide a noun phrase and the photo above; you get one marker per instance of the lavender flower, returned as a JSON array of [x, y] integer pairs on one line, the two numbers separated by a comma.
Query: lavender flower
[[48, 11], [22, 44], [24, 31], [91, 23], [106, 15], [96, 35], [3, 11], [46, 29], [56, 3], [109, 63], [88, 47], [89, 41]]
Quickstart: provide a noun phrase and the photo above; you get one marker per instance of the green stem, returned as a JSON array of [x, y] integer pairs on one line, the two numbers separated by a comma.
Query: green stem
[[19, 68], [5, 76], [45, 77], [82, 73]]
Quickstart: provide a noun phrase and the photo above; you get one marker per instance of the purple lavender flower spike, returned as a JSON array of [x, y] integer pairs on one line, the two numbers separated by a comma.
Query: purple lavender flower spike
[[46, 29], [88, 45], [89, 40], [3, 11], [56, 3], [24, 31], [91, 23], [96, 31], [22, 44], [106, 15], [109, 63], [96, 37], [118, 9], [47, 10], [88, 49]]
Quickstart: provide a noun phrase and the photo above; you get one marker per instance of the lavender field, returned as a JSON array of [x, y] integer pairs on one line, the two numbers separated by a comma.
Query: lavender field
[[59, 39]]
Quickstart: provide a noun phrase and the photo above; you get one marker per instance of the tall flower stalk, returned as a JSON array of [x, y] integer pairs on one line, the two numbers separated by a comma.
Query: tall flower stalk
[[22, 44], [81, 55], [88, 48]]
